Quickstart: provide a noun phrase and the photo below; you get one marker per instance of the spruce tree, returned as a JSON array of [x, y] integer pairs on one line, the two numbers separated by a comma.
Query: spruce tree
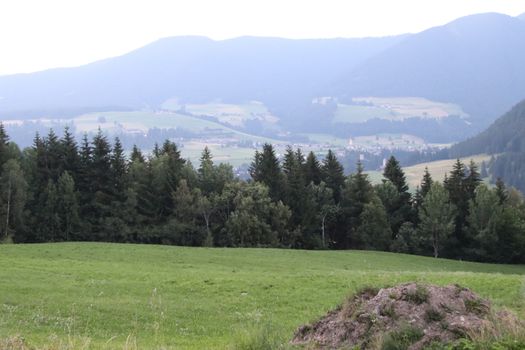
[[357, 193], [401, 211], [54, 155], [501, 191], [67, 207], [312, 169], [13, 197], [294, 184], [136, 155], [426, 183], [70, 159], [333, 174], [119, 171], [4, 145], [206, 172], [472, 180], [436, 217], [265, 168]]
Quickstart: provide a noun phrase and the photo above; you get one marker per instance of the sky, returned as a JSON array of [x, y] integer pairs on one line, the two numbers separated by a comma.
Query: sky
[[37, 34]]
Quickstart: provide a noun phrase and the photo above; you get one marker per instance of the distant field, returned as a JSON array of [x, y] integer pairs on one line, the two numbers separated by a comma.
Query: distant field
[[374, 141], [437, 169], [394, 108], [115, 296], [233, 114]]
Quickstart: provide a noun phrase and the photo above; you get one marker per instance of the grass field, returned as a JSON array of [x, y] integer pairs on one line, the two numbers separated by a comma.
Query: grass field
[[394, 108], [115, 296], [437, 169]]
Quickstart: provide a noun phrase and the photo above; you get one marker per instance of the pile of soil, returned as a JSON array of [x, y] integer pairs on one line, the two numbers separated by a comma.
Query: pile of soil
[[415, 314]]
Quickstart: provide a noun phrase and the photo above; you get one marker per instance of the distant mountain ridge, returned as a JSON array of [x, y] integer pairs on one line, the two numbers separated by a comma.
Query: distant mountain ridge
[[505, 140], [194, 69], [475, 62]]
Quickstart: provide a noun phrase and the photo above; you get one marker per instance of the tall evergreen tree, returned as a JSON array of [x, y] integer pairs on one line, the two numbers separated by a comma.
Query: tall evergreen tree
[[312, 169], [401, 211], [13, 196], [136, 155], [436, 217], [333, 174], [70, 159], [357, 193], [265, 168], [472, 180], [501, 191], [4, 145], [295, 195], [67, 207], [426, 182], [54, 156], [457, 189], [119, 167]]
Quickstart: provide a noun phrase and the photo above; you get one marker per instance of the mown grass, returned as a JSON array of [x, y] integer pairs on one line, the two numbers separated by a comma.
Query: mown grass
[[96, 296]]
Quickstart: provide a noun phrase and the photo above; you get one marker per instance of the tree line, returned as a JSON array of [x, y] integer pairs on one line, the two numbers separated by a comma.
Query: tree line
[[60, 190]]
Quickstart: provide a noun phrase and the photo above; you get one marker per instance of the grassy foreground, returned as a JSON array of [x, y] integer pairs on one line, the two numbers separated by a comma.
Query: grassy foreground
[[107, 296]]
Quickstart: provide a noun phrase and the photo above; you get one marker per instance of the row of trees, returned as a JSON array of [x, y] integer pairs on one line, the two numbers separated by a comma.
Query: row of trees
[[58, 190]]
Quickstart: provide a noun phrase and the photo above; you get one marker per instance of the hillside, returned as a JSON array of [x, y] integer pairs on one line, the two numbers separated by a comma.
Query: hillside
[[475, 61], [194, 70], [505, 139], [145, 296], [506, 134], [465, 73]]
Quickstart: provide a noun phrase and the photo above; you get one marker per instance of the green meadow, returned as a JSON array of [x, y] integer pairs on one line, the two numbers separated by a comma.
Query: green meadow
[[125, 296]]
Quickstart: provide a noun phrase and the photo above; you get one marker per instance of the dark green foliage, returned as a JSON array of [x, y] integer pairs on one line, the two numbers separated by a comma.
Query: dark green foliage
[[399, 210], [59, 191], [332, 173], [418, 296], [402, 339], [312, 169], [265, 168]]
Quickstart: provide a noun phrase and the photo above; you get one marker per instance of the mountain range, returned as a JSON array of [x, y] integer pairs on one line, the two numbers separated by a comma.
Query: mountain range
[[475, 62]]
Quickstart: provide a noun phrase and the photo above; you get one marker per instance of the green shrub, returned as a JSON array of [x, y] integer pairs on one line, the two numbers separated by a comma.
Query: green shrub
[[418, 296], [402, 339]]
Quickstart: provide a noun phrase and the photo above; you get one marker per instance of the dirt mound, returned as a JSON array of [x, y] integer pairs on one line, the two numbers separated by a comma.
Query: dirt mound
[[409, 315]]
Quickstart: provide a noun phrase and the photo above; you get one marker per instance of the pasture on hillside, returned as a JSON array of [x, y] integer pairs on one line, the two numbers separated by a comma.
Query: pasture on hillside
[[106, 296]]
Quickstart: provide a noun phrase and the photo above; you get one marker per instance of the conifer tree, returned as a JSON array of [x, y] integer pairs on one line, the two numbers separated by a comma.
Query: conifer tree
[[206, 172], [312, 169], [265, 168], [426, 183], [401, 211], [436, 217], [472, 180], [67, 206], [136, 155], [294, 184], [333, 174], [501, 191], [357, 193], [119, 170], [13, 197], [4, 145], [54, 155], [70, 159]]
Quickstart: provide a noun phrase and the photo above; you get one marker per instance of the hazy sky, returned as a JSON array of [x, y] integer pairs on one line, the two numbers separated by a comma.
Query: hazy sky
[[38, 34]]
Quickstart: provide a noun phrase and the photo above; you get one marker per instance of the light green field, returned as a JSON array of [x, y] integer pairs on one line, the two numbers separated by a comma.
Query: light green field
[[437, 169], [233, 114], [104, 296], [143, 120], [394, 108]]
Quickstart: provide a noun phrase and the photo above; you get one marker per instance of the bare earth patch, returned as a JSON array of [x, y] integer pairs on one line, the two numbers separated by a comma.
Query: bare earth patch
[[411, 314]]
